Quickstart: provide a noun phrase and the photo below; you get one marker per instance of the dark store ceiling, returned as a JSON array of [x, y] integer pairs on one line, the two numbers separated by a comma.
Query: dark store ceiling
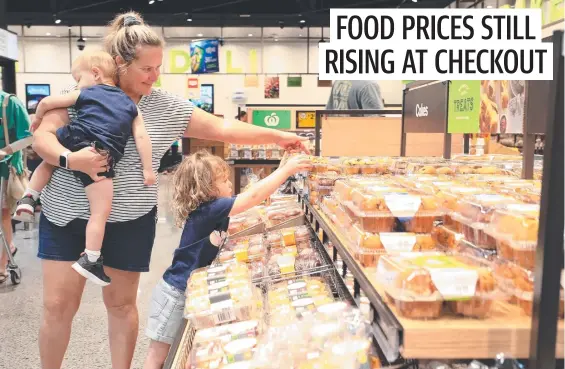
[[265, 13]]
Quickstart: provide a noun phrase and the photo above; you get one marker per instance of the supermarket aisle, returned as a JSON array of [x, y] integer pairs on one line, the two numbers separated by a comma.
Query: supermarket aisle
[[20, 307]]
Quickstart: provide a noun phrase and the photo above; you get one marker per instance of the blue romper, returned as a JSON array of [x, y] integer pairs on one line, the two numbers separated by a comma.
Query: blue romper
[[104, 121]]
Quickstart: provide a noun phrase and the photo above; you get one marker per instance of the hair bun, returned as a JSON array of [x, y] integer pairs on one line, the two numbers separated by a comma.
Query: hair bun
[[130, 20]]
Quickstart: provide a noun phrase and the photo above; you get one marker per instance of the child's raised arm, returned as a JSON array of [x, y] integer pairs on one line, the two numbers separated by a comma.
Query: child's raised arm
[[267, 186], [143, 144], [51, 103]]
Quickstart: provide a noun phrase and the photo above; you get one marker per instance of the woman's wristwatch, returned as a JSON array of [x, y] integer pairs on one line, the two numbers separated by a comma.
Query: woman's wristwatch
[[64, 160]]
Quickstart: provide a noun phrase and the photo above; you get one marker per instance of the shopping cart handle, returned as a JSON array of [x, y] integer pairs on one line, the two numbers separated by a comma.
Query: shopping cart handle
[[6, 152]]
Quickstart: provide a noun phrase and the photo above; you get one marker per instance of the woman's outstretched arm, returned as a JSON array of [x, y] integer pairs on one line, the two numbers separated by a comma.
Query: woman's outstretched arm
[[207, 126]]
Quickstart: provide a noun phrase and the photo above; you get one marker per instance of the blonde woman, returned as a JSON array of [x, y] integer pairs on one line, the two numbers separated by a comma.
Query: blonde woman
[[130, 231]]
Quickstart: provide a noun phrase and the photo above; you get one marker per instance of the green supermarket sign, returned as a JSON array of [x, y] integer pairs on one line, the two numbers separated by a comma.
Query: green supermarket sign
[[278, 119]]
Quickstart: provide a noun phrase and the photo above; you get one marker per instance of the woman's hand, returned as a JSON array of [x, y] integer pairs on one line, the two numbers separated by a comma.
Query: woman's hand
[[88, 161], [292, 142]]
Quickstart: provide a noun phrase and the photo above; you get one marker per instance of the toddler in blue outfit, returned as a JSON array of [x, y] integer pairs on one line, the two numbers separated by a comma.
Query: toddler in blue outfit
[[105, 120], [203, 203]]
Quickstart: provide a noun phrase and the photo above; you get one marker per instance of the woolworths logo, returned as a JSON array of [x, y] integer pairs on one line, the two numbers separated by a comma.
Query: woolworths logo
[[272, 120]]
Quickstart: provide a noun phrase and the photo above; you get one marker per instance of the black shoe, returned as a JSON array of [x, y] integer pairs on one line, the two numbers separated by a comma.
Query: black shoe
[[92, 271], [25, 212]]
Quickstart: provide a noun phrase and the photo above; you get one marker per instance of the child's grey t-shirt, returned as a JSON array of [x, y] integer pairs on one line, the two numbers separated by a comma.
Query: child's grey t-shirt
[[355, 95]]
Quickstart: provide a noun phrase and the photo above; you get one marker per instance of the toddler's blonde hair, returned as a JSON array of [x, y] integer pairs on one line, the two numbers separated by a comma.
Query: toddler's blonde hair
[[100, 59], [195, 181]]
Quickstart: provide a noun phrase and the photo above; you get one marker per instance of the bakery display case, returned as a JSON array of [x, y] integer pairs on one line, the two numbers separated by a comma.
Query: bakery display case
[[444, 260]]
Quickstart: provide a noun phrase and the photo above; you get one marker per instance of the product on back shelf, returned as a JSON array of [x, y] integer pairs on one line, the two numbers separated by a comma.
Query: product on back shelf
[[243, 248], [281, 197], [316, 193], [324, 165], [371, 246], [473, 215], [514, 228], [244, 221], [419, 283], [519, 283], [281, 212], [245, 153]]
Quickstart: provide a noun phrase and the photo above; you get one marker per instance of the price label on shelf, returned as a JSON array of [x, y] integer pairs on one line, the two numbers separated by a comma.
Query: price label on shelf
[[403, 206], [455, 284], [398, 242]]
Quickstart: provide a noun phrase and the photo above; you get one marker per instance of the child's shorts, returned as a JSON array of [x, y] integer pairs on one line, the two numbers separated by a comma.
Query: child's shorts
[[74, 141], [165, 313]]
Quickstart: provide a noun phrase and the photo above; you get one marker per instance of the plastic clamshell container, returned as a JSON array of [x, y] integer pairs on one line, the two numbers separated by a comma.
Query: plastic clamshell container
[[286, 260], [369, 247], [318, 192], [446, 237], [222, 346], [515, 231], [324, 165], [243, 249], [281, 212], [365, 166], [519, 283], [344, 187], [203, 280], [419, 283], [473, 215], [379, 211], [327, 179], [279, 197], [429, 168], [244, 221], [301, 295]]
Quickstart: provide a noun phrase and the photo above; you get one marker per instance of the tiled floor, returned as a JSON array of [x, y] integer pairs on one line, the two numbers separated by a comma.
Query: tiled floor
[[20, 306]]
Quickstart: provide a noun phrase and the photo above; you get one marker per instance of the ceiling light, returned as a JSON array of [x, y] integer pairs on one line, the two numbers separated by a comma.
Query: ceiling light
[[151, 2], [300, 35], [245, 15], [489, 6], [250, 35], [57, 21], [200, 35], [48, 34], [276, 39], [302, 21], [189, 19], [414, 1]]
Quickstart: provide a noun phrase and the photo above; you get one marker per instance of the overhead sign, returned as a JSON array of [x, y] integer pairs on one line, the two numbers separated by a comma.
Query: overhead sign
[[204, 56], [8, 45], [278, 119], [464, 106], [305, 119], [425, 108]]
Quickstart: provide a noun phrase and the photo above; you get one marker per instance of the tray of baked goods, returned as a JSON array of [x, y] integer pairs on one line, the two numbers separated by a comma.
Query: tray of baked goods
[[440, 284]]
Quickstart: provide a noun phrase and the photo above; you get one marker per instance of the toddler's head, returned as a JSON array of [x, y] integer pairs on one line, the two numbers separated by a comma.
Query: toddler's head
[[94, 68], [201, 177]]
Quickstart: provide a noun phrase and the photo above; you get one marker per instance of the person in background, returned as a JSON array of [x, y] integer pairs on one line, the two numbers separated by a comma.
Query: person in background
[[242, 116], [349, 95], [203, 203], [18, 124]]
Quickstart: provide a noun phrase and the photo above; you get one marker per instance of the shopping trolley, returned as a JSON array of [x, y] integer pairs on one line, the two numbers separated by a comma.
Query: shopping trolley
[[12, 268]]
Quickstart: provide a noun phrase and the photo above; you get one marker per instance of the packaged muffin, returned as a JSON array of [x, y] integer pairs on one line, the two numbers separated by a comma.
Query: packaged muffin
[[289, 260], [245, 153], [371, 246], [514, 228], [519, 283], [379, 208], [446, 237], [419, 283], [324, 165], [473, 214], [318, 192]]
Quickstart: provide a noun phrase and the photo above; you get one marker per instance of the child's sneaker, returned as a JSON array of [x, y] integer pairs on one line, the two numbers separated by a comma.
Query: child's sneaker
[[25, 211], [93, 271]]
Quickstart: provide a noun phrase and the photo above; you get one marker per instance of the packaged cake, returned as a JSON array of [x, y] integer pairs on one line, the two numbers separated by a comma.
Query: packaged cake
[[371, 246], [243, 249], [419, 283]]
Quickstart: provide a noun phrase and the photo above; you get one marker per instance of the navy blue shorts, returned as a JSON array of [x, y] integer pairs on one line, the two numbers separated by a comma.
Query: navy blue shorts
[[127, 245]]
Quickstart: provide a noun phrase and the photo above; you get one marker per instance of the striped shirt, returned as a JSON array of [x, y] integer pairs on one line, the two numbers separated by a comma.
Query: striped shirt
[[166, 117]]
